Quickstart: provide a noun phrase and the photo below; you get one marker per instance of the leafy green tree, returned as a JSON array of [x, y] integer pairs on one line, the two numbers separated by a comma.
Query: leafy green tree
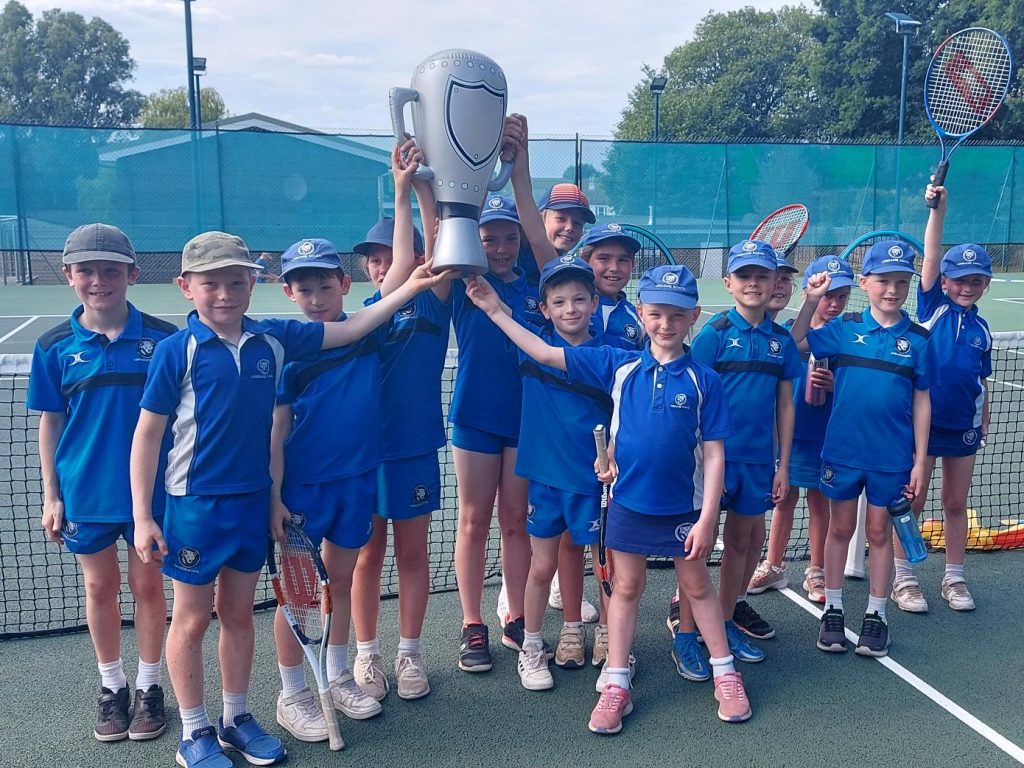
[[168, 108], [64, 70]]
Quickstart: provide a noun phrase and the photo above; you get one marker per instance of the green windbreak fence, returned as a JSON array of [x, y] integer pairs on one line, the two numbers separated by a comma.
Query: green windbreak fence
[[273, 187]]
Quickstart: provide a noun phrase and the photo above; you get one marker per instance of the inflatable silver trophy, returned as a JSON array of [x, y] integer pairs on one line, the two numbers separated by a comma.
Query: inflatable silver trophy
[[458, 102]]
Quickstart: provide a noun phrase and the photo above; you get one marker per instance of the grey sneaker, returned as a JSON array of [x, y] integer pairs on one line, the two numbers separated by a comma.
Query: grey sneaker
[[411, 676], [832, 633], [112, 721], [571, 649], [368, 670], [148, 719], [957, 595], [352, 700], [301, 716], [906, 593], [874, 636]]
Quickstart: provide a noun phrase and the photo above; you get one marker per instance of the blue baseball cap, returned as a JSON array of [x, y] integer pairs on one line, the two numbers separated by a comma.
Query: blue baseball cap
[[566, 266], [671, 284], [839, 271], [383, 233], [498, 208], [567, 197], [889, 256], [752, 253], [781, 265], [966, 259], [604, 232], [312, 252]]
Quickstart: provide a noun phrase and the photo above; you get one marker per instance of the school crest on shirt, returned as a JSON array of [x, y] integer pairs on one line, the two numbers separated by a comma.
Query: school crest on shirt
[[419, 495], [631, 331], [188, 557], [682, 531], [774, 347], [976, 342], [903, 346], [679, 401], [69, 528], [262, 369], [407, 311], [532, 304], [144, 349], [970, 437], [827, 474]]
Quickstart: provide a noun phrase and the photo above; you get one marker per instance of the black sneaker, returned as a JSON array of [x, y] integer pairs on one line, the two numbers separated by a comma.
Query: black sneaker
[[673, 616], [514, 635], [148, 719], [112, 723], [474, 653], [874, 636], [832, 635], [751, 623]]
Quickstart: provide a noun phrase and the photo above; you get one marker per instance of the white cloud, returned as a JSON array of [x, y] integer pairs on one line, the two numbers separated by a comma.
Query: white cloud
[[330, 65]]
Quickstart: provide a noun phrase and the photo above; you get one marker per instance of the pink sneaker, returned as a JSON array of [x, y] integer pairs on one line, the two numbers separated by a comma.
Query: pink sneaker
[[613, 705], [733, 705]]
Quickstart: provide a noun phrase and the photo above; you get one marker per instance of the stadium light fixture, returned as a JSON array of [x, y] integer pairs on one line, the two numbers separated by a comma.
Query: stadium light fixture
[[657, 88], [199, 67], [904, 26]]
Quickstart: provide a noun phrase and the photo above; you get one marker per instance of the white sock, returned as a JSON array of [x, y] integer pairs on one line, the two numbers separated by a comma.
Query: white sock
[[149, 675], [834, 598], [234, 705], [192, 720], [618, 676], [722, 666], [904, 569], [533, 642], [877, 605], [112, 675], [369, 647], [337, 660], [293, 679], [407, 645], [742, 597], [954, 573]]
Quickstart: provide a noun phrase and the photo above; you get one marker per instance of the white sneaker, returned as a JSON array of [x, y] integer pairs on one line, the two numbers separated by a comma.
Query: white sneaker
[[906, 593], [368, 670], [588, 613], [411, 676], [502, 609], [534, 672], [350, 699], [602, 679], [300, 715], [555, 594], [957, 595]]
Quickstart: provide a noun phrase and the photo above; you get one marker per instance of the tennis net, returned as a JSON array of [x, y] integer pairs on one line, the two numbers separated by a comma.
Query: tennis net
[[41, 583]]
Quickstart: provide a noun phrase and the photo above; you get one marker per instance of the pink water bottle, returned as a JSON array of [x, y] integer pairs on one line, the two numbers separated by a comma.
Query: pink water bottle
[[814, 395]]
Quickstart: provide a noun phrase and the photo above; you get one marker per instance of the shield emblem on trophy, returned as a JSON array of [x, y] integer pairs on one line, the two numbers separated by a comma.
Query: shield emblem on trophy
[[473, 118]]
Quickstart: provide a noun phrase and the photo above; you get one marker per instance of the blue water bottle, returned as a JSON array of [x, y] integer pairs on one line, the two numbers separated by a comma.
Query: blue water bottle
[[907, 529]]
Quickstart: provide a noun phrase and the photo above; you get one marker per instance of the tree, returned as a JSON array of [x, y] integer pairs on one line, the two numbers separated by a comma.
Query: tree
[[64, 70], [746, 74], [168, 108]]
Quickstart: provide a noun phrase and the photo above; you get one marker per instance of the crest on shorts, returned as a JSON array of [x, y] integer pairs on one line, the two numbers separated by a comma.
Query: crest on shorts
[[188, 557], [419, 494], [631, 331], [530, 511], [682, 531], [902, 345], [774, 346], [144, 348], [531, 303], [827, 474], [69, 528], [970, 437]]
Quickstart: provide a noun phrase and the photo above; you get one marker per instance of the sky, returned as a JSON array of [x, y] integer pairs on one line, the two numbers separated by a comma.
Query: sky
[[328, 65]]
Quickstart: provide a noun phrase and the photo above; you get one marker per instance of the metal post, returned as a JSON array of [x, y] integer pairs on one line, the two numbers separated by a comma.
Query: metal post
[[199, 105], [657, 114], [899, 134], [193, 121]]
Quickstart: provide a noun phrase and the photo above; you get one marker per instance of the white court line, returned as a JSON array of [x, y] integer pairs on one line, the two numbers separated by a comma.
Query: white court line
[[1011, 299], [1006, 383], [985, 731], [21, 327]]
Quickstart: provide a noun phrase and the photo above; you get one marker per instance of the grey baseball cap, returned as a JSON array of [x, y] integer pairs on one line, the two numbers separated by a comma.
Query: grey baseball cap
[[213, 250], [92, 242]]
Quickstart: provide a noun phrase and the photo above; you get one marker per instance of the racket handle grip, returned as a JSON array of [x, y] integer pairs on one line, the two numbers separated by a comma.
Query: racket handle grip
[[333, 729], [601, 444], [937, 181]]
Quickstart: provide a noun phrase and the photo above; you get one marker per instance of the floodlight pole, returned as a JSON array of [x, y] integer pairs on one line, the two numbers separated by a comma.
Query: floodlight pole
[[192, 111], [904, 26], [657, 88]]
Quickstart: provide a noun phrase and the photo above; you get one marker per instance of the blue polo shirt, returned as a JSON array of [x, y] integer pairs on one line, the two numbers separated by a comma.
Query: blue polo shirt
[[556, 444], [617, 317], [809, 421], [335, 400], [96, 383], [752, 360], [877, 370], [222, 399], [488, 389], [411, 367], [662, 414], [962, 345]]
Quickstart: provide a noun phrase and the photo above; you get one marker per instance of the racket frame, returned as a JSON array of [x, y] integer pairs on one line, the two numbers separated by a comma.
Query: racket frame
[[601, 444], [786, 245]]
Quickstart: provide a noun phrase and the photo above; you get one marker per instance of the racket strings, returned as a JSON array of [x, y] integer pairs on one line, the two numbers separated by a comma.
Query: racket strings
[[967, 81], [782, 230], [302, 587]]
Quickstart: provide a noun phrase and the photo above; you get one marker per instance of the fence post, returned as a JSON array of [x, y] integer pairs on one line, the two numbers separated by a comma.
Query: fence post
[[23, 257], [579, 161]]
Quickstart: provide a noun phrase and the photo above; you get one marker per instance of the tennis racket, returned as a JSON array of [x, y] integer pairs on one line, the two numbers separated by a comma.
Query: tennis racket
[[782, 229], [303, 592], [653, 253], [966, 83], [605, 569]]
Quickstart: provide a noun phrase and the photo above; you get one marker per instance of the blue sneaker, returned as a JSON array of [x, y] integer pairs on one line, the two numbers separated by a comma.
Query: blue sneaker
[[202, 751], [688, 658], [248, 737], [740, 647]]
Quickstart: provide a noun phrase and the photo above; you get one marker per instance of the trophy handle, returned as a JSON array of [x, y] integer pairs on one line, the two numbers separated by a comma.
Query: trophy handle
[[398, 98], [501, 178]]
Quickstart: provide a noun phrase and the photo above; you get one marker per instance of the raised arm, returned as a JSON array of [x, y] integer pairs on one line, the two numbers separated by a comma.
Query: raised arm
[[817, 286], [930, 270], [483, 296], [529, 217], [145, 459]]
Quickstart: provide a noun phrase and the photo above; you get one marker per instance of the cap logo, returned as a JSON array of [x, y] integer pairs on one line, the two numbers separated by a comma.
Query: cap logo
[[750, 246], [834, 265], [670, 278], [896, 252], [970, 255], [494, 202], [306, 249], [568, 259], [614, 227]]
